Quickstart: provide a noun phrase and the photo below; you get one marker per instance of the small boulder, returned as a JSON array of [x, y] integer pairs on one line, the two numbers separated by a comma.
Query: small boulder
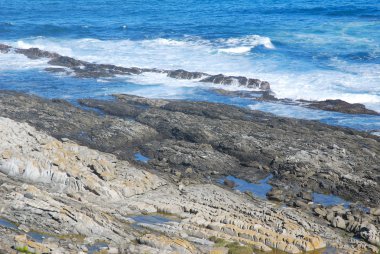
[[229, 183], [375, 211], [339, 222], [300, 203], [306, 196], [276, 195], [189, 171], [320, 211]]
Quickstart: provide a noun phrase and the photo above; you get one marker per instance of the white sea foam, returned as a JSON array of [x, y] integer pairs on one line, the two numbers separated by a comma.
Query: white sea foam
[[248, 41], [355, 83], [237, 50], [12, 61], [322, 84]]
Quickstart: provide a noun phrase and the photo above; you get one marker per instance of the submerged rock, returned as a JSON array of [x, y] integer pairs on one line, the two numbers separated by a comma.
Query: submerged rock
[[341, 106], [83, 69], [36, 53], [182, 74], [229, 183], [4, 48], [241, 81], [276, 195]]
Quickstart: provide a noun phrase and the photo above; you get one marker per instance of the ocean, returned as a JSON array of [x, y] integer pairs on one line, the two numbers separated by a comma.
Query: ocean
[[312, 50]]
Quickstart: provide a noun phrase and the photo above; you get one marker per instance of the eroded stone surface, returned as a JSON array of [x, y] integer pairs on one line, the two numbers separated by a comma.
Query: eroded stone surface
[[62, 188], [57, 186]]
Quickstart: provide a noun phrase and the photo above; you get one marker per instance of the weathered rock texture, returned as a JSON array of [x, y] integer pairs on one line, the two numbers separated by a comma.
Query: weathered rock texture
[[63, 188], [340, 106], [303, 153]]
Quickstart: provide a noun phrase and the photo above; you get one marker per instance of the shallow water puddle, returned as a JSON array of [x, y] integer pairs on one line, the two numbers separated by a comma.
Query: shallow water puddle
[[259, 189], [96, 247], [38, 237], [141, 158], [151, 219], [329, 200], [7, 224]]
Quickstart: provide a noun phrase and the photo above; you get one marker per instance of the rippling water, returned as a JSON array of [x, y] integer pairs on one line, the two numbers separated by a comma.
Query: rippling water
[[305, 49]]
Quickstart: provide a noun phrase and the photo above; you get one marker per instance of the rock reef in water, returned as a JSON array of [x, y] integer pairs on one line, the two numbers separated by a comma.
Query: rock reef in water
[[327, 105], [341, 106], [52, 182], [85, 69]]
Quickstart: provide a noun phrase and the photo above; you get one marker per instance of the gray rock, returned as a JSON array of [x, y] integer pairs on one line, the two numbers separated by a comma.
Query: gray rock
[[35, 53], [341, 106], [339, 222], [276, 195], [4, 48], [307, 196], [29, 195], [182, 74], [229, 183], [320, 211]]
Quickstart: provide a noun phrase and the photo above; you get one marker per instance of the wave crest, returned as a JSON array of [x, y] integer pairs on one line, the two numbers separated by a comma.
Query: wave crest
[[249, 41]]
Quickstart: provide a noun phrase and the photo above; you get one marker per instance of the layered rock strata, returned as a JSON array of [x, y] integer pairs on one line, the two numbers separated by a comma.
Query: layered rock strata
[[54, 185], [64, 189]]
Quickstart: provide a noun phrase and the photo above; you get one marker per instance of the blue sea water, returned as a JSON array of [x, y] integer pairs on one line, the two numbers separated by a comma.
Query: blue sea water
[[306, 49]]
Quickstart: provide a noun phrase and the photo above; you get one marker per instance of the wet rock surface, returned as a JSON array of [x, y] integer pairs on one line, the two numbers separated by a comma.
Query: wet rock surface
[[78, 196], [200, 135], [35, 53], [83, 69], [51, 182], [327, 105], [4, 48], [341, 106], [63, 120]]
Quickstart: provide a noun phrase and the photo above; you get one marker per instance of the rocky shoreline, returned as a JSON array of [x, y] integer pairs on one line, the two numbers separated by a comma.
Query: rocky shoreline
[[71, 175], [326, 105], [83, 69], [260, 90]]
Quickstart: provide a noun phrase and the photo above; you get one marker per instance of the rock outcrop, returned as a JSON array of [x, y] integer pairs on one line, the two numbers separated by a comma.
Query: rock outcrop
[[64, 189], [340, 106], [326, 105], [199, 135], [53, 181], [83, 69], [262, 89]]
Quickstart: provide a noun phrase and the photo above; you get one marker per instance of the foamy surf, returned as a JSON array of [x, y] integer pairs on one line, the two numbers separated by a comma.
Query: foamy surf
[[237, 50], [346, 81], [251, 41], [14, 62]]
